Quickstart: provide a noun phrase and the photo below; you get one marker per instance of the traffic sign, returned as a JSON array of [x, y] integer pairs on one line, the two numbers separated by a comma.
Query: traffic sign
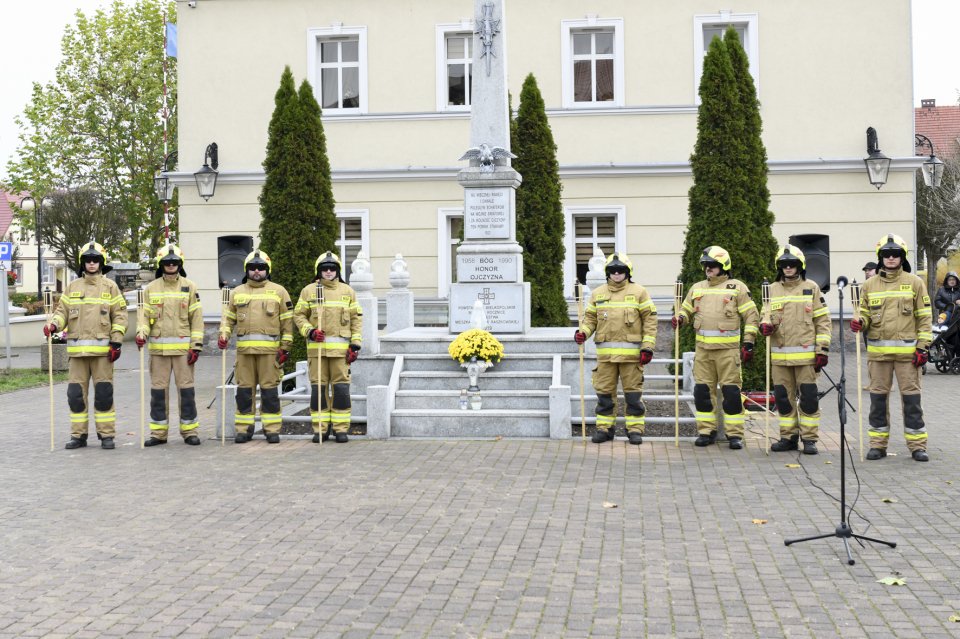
[[6, 255]]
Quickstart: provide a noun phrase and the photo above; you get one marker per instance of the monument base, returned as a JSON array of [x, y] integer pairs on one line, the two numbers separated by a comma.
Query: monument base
[[507, 306]]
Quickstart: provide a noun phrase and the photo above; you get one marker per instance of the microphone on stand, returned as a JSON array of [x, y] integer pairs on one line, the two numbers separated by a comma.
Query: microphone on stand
[[842, 282]]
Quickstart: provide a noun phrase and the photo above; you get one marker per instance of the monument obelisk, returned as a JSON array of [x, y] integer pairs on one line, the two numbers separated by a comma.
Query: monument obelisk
[[489, 260]]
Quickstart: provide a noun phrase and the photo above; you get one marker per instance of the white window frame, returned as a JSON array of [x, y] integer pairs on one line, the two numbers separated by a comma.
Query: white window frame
[[446, 251], [444, 30], [751, 43], [314, 38], [352, 214], [567, 28], [569, 230]]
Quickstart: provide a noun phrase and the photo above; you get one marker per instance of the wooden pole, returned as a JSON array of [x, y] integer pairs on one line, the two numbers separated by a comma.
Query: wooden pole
[[855, 302], [578, 288], [766, 392], [224, 304], [143, 400], [48, 307], [677, 303], [320, 388]]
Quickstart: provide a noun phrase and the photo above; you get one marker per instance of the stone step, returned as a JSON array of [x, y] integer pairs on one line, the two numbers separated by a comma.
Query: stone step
[[547, 341], [470, 423], [492, 399], [443, 362], [456, 380]]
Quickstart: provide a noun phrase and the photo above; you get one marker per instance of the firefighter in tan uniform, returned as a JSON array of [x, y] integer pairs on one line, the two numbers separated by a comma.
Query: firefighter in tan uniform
[[173, 333], [331, 321], [895, 312], [262, 313], [798, 325], [717, 305], [94, 313], [623, 319]]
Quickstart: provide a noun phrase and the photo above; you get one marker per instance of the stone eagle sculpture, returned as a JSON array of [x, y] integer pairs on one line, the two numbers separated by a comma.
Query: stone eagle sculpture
[[486, 156]]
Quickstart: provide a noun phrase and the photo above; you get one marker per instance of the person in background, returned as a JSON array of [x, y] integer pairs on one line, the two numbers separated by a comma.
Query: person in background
[[948, 296]]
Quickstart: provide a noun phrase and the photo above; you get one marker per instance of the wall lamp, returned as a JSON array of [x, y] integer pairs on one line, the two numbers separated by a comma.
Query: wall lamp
[[932, 169], [161, 182], [878, 165], [206, 177]]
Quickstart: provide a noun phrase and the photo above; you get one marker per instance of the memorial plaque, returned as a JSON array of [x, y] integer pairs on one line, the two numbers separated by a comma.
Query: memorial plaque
[[492, 267], [486, 213], [504, 305]]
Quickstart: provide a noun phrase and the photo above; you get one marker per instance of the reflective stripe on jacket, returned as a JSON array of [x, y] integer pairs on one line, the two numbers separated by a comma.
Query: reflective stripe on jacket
[[262, 315], [172, 316], [94, 313], [801, 316], [717, 308], [896, 313], [338, 315]]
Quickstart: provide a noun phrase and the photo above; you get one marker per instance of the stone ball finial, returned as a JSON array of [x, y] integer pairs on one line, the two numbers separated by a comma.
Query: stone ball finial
[[399, 275]]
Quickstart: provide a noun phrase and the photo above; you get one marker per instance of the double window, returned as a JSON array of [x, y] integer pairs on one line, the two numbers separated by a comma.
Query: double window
[[710, 26], [589, 228], [592, 59], [455, 68], [353, 231], [337, 68]]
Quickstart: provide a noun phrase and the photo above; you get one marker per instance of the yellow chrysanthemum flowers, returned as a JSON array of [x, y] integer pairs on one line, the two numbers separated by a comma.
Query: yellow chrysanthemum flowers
[[476, 343]]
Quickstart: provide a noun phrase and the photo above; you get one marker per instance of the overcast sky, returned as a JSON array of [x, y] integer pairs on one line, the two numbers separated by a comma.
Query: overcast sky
[[30, 50]]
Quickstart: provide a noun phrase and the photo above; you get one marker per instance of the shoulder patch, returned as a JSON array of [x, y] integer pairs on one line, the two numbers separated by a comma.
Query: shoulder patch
[[289, 304], [198, 296], [731, 285], [822, 300], [184, 289], [808, 291], [926, 300]]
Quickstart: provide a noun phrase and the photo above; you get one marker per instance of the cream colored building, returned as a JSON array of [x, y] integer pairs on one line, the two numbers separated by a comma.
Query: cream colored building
[[619, 79]]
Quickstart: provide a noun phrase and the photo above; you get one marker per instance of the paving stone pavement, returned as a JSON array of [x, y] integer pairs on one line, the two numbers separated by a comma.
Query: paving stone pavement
[[506, 538]]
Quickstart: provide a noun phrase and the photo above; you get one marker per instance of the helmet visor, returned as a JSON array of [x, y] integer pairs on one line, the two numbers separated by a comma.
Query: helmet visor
[[891, 252]]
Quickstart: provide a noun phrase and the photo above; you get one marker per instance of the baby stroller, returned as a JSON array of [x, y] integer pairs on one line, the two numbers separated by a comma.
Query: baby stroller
[[945, 348]]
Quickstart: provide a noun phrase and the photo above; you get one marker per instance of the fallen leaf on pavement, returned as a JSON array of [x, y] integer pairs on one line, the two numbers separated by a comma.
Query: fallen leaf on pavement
[[889, 500], [792, 465], [828, 462], [609, 504], [759, 522], [954, 618], [892, 581]]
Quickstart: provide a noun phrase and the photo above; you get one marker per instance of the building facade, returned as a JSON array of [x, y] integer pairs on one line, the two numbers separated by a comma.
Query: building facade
[[619, 80]]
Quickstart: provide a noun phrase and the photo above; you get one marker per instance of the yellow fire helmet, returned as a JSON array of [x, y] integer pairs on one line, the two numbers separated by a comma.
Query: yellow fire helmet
[[718, 255], [169, 253], [256, 258], [891, 242], [92, 249], [618, 261], [329, 259], [790, 254]]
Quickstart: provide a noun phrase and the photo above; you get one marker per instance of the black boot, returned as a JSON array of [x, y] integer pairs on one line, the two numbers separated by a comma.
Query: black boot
[[153, 441], [602, 435], [107, 443], [316, 438], [326, 433], [706, 440], [876, 453], [241, 438], [810, 447], [77, 442], [192, 440], [342, 437], [273, 438], [635, 437], [785, 444], [736, 443], [920, 455]]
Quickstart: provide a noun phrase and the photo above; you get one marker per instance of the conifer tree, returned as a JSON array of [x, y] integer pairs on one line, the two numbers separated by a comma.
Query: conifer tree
[[296, 204], [539, 211], [729, 200]]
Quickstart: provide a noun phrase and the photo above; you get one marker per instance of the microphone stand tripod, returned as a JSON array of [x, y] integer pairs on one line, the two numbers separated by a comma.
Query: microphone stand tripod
[[843, 530]]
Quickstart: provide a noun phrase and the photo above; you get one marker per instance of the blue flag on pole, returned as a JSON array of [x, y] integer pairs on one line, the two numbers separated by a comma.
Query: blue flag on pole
[[171, 40]]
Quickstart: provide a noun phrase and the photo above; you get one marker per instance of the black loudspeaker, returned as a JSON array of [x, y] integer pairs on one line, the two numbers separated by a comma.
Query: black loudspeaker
[[816, 250], [232, 250]]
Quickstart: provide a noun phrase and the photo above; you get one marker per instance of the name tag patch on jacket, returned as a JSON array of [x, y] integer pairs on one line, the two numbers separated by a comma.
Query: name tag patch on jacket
[[906, 287], [808, 291], [105, 295]]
